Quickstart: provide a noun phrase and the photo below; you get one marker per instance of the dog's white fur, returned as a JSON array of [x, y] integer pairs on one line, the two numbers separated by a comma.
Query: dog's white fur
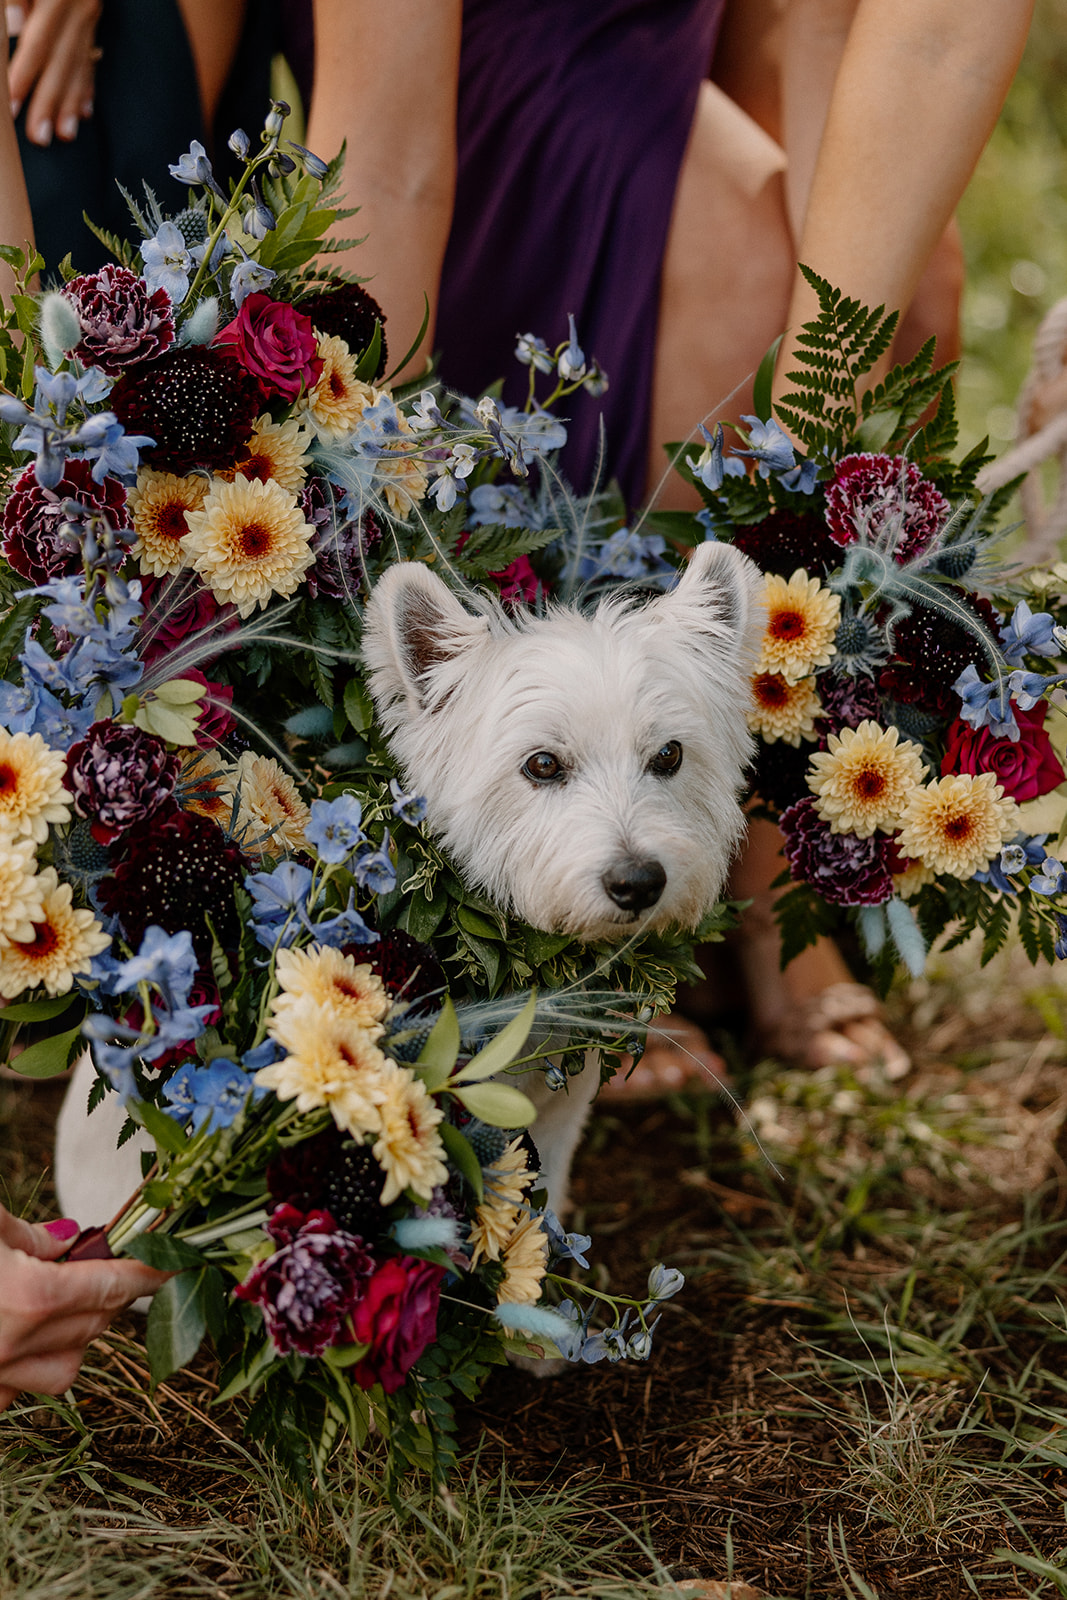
[[465, 697]]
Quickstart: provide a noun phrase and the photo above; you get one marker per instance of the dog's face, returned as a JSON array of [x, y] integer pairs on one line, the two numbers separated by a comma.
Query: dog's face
[[582, 770]]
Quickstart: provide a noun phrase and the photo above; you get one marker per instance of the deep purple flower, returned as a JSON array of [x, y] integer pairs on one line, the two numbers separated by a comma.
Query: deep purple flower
[[409, 970], [843, 869], [309, 1288], [331, 1172], [198, 405], [846, 701], [885, 496], [119, 775], [786, 540], [34, 544], [177, 870], [122, 320], [340, 545], [930, 651], [348, 312]]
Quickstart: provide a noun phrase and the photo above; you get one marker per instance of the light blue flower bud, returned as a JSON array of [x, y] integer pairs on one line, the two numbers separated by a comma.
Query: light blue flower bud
[[664, 1282]]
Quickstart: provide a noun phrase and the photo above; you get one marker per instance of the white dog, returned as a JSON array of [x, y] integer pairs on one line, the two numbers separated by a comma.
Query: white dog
[[582, 769]]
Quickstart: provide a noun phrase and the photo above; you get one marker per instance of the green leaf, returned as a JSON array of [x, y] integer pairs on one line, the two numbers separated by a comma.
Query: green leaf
[[48, 1057], [357, 703], [164, 1252], [167, 1133], [340, 1356], [498, 1104], [37, 1010], [761, 389], [480, 926], [422, 917], [177, 1323], [875, 431], [261, 1361], [462, 1157], [438, 1055], [419, 337], [179, 691], [167, 722], [489, 955], [501, 1050], [367, 369], [542, 947]]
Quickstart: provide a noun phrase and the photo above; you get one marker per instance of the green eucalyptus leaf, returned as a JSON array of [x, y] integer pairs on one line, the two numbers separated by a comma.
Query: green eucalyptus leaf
[[177, 1323], [48, 1057], [357, 705], [438, 1055], [498, 1104], [462, 1157], [472, 922], [179, 692], [501, 1050]]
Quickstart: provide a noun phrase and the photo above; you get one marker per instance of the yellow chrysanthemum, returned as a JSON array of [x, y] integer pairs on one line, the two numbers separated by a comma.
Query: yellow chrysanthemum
[[912, 879], [802, 620], [63, 942], [21, 888], [159, 507], [331, 1062], [504, 1185], [400, 472], [330, 978], [249, 541], [338, 400], [32, 794], [276, 452], [272, 816], [206, 787], [525, 1261], [956, 825], [408, 1147], [783, 710], [863, 780]]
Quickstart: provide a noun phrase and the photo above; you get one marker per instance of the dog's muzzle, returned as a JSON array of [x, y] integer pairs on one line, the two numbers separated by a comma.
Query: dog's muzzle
[[634, 885]]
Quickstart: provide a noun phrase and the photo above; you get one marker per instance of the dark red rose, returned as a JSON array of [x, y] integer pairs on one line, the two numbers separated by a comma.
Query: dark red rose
[[122, 320], [1024, 768], [33, 519], [885, 497], [518, 583], [276, 344], [397, 1317], [308, 1289], [176, 609]]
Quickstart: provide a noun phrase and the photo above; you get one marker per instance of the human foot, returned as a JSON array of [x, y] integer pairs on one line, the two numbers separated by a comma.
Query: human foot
[[677, 1056]]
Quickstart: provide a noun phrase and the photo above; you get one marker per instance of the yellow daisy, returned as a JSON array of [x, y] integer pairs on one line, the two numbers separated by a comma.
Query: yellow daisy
[[31, 786], [331, 978], [525, 1261], [504, 1185], [783, 710], [20, 888], [802, 620], [913, 877], [862, 782], [408, 1147], [206, 787], [276, 452], [338, 400], [956, 825], [272, 816], [159, 507], [249, 541], [331, 1062], [63, 942]]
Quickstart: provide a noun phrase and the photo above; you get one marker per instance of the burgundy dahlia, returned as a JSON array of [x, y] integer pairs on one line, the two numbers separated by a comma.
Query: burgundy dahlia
[[199, 405], [397, 1317], [847, 700], [176, 609], [309, 1288], [843, 869], [348, 312], [409, 970], [178, 870], [930, 651], [123, 321], [787, 540], [885, 496], [119, 776], [34, 544]]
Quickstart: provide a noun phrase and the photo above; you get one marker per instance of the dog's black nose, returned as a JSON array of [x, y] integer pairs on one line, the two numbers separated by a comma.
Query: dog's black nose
[[634, 885]]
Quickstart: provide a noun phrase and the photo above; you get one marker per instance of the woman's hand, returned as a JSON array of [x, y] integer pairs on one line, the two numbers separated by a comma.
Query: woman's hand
[[52, 65], [50, 1311]]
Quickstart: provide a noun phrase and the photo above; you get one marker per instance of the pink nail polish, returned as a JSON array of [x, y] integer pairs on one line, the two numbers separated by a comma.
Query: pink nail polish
[[63, 1228]]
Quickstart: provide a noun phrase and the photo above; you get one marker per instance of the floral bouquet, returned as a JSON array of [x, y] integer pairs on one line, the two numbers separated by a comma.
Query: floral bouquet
[[908, 697], [208, 869]]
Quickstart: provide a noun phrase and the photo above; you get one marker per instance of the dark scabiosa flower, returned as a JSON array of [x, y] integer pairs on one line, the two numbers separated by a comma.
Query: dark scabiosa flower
[[410, 971], [787, 540], [310, 1287], [843, 869], [199, 405], [348, 312], [178, 869], [846, 701], [122, 321], [888, 501], [930, 651], [34, 544], [331, 1172], [778, 772], [119, 776]]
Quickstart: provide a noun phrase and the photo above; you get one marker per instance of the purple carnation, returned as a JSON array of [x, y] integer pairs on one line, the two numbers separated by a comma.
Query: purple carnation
[[843, 869], [340, 547], [119, 775], [35, 544], [309, 1288], [884, 495], [122, 320], [847, 701]]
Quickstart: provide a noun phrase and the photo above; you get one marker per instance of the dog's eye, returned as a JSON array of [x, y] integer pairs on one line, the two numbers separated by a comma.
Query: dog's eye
[[667, 759], [543, 767]]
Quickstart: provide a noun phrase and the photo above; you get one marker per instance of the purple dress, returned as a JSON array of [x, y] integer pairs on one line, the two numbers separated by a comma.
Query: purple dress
[[573, 121]]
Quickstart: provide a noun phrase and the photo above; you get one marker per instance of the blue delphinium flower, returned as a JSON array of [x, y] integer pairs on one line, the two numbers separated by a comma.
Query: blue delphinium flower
[[1021, 853], [169, 262], [334, 828], [769, 447], [712, 466], [410, 808], [279, 894], [216, 1093], [571, 364], [504, 504], [249, 278], [534, 352], [610, 1343], [1028, 688], [166, 960], [1028, 634], [986, 705], [373, 869], [664, 1283], [347, 927], [565, 1246], [801, 480]]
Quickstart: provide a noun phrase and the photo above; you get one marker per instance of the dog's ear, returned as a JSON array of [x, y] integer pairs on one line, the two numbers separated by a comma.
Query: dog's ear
[[414, 631], [719, 595]]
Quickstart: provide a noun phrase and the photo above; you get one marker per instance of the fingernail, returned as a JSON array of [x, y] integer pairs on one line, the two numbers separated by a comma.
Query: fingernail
[[86, 110], [42, 134], [63, 1228], [67, 128], [16, 107], [16, 20]]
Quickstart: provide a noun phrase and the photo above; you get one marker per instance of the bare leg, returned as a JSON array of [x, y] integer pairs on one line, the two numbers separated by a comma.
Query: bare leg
[[214, 29]]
